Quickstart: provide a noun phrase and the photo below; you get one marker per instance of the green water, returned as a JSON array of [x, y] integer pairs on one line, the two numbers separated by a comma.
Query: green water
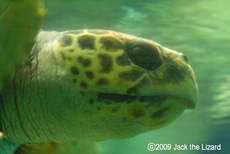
[[200, 29]]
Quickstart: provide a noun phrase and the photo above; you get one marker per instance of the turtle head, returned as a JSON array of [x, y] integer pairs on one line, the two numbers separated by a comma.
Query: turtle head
[[95, 84], [131, 85]]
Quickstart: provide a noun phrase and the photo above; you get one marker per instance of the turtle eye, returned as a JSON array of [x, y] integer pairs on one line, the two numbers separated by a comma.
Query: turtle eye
[[144, 55]]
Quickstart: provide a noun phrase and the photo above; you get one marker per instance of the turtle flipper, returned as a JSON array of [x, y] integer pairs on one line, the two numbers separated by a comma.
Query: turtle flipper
[[20, 22], [58, 148]]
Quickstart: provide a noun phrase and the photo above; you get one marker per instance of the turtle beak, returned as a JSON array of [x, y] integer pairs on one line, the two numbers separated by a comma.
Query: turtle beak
[[174, 78]]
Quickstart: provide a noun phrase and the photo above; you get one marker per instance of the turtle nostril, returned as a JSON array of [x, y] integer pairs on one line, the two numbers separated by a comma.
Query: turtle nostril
[[185, 58]]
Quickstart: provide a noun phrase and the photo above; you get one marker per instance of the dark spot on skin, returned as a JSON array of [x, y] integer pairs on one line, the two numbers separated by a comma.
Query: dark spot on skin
[[98, 108], [160, 113], [105, 62], [81, 92], [122, 61], [89, 74], [69, 59], [131, 91], [117, 98], [66, 41], [144, 54], [74, 80], [132, 75], [115, 109], [102, 81], [74, 70], [83, 84], [85, 62], [72, 50], [137, 113], [174, 73], [110, 43], [91, 101], [86, 41], [86, 111]]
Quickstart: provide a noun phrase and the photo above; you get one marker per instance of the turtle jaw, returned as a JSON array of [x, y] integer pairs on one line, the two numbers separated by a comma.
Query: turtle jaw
[[184, 93], [152, 111], [147, 112]]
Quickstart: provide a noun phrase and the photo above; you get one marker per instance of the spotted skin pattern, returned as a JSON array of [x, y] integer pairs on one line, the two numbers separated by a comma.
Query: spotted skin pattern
[[95, 85], [97, 59]]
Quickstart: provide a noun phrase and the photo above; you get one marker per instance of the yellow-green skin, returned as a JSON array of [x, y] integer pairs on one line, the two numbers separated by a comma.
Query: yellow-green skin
[[92, 85]]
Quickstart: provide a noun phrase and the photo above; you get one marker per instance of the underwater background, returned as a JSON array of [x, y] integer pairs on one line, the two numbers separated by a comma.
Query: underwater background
[[200, 29]]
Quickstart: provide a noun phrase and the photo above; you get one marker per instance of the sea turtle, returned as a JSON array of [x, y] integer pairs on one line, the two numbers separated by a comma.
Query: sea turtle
[[83, 86]]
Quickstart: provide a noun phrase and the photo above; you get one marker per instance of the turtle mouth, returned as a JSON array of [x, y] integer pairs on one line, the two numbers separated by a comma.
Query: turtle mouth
[[151, 100]]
